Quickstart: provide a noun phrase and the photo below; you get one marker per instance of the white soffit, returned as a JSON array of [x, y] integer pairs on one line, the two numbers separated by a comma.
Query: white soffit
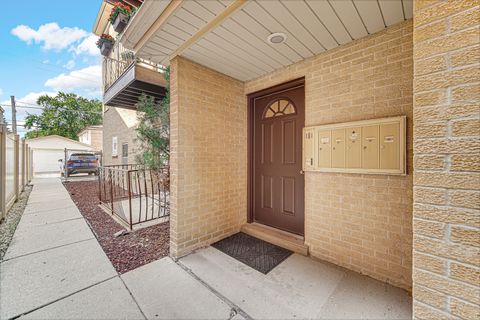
[[142, 20], [237, 46]]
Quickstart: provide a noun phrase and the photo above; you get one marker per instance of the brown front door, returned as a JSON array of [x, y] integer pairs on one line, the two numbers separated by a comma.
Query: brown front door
[[278, 182]]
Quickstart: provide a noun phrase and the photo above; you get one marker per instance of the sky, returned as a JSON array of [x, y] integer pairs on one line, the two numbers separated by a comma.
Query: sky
[[46, 46]]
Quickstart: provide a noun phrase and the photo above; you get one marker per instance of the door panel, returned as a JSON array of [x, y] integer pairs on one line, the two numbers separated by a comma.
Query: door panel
[[267, 192], [288, 195], [278, 195], [288, 141]]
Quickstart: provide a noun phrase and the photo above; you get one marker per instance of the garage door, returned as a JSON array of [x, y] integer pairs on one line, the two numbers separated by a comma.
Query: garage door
[[45, 161]]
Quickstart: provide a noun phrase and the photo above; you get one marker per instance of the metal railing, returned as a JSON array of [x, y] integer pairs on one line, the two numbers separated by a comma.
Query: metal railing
[[133, 194], [119, 61]]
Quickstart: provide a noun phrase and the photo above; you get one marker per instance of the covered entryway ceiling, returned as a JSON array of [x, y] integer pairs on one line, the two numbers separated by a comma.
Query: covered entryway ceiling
[[230, 36]]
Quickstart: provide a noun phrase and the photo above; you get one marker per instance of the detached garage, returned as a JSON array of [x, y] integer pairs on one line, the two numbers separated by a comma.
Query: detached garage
[[46, 151]]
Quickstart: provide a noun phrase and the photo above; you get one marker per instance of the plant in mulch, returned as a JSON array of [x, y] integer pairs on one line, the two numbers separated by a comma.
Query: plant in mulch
[[105, 44], [119, 16]]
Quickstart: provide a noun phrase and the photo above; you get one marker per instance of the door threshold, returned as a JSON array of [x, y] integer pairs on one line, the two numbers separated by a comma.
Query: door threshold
[[277, 237]]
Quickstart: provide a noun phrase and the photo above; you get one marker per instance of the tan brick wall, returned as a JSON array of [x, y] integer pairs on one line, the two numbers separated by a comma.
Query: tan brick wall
[[208, 156], [361, 222], [446, 215], [119, 123]]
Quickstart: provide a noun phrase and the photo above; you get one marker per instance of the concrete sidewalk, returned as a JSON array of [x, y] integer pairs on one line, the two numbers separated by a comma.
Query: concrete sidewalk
[[56, 269]]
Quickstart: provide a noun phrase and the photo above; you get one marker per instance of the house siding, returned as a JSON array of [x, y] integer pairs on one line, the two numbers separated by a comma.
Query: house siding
[[120, 123], [208, 156], [358, 221], [446, 215]]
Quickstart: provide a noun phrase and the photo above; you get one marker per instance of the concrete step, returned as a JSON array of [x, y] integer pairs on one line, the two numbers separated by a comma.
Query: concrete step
[[278, 237]]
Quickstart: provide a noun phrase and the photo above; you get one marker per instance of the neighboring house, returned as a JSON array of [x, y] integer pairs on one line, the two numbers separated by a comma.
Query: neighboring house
[[92, 135], [47, 150], [119, 136], [125, 78], [248, 76]]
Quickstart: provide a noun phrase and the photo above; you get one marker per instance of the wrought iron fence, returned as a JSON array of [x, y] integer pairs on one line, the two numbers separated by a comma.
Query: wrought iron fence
[[133, 194]]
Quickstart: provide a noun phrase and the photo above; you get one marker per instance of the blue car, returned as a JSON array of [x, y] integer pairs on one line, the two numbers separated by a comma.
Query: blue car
[[82, 163]]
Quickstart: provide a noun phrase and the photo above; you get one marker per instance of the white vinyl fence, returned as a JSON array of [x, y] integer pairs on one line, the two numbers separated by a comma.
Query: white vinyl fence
[[15, 168]]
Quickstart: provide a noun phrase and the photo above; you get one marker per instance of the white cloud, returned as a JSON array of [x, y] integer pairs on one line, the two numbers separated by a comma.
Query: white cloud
[[50, 34], [31, 97], [70, 64], [89, 77], [46, 61], [87, 46], [27, 100]]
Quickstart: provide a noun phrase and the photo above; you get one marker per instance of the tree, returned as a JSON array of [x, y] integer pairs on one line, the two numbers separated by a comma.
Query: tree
[[153, 131], [65, 115]]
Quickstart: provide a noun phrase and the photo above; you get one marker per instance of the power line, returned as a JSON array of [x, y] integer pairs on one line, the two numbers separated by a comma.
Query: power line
[[43, 108]]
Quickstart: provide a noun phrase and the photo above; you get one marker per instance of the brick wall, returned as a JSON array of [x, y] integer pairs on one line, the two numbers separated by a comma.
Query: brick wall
[[120, 123], [446, 211], [361, 222], [208, 156]]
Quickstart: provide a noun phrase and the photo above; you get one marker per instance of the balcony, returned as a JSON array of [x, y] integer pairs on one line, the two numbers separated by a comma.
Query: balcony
[[126, 77]]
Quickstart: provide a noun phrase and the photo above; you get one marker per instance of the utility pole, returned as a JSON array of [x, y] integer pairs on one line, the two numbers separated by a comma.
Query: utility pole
[[14, 114]]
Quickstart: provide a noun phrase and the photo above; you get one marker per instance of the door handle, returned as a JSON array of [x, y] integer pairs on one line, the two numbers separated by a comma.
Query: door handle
[[302, 172]]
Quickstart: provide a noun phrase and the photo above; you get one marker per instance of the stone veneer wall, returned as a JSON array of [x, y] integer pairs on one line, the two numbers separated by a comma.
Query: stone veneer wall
[[446, 211], [208, 156], [361, 222]]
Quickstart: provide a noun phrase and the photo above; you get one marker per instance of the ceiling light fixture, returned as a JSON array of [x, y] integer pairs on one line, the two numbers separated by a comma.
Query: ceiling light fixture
[[277, 38]]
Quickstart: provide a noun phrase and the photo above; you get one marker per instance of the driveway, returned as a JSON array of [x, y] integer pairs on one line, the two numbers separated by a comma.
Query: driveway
[[55, 269]]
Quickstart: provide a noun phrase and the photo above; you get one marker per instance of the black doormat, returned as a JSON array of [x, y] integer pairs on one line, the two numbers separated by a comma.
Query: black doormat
[[258, 254]]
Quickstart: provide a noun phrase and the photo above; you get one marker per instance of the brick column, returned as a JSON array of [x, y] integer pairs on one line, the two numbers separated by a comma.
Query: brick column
[[446, 215], [208, 156]]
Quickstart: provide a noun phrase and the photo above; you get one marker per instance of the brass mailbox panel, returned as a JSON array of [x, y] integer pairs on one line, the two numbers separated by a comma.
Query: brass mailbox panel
[[354, 147], [308, 148], [324, 149], [376, 146], [389, 146], [338, 148], [370, 153]]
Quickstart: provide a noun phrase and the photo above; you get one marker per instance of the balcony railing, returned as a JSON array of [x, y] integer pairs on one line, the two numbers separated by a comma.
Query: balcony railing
[[119, 61], [135, 195]]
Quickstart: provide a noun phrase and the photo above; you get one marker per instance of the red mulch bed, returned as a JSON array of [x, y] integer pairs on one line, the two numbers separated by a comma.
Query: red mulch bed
[[125, 252]]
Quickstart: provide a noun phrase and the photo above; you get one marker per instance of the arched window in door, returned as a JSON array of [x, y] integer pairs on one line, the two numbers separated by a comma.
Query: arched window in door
[[279, 107]]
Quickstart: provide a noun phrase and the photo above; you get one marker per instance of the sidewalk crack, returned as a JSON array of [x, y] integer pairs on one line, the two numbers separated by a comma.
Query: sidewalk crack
[[234, 308]]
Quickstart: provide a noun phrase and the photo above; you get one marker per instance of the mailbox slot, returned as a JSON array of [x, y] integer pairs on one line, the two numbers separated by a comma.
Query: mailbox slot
[[353, 147], [324, 149], [338, 148], [370, 140]]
